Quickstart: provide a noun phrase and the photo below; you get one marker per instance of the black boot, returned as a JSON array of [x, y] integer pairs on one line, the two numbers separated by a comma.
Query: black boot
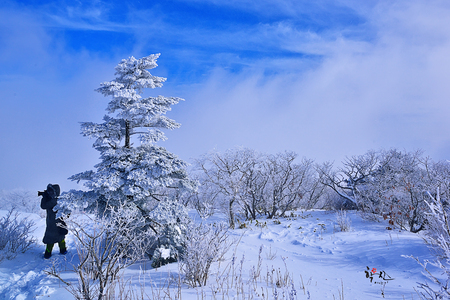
[[62, 247], [48, 251]]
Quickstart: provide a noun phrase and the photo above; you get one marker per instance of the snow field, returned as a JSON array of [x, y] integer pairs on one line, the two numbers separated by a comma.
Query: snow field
[[307, 250]]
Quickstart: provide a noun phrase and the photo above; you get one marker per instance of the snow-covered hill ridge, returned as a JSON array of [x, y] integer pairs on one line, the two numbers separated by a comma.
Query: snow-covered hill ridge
[[309, 248]]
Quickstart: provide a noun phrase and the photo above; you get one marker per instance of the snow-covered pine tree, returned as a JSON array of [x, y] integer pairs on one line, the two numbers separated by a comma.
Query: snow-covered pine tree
[[138, 176]]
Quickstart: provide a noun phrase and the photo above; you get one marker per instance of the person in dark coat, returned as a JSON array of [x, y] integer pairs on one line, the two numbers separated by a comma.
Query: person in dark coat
[[53, 232]]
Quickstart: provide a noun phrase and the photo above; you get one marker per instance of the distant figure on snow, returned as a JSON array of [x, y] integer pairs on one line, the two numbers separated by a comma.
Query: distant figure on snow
[[53, 232]]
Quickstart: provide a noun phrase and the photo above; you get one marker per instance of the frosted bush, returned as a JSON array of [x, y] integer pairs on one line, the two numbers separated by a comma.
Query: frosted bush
[[205, 244], [105, 245], [438, 238], [163, 256], [15, 235], [343, 221], [171, 221]]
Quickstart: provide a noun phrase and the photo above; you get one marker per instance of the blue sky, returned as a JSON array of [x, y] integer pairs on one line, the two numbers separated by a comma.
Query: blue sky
[[326, 79]]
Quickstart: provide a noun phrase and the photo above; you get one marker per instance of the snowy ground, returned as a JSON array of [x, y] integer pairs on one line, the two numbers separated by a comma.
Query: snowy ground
[[323, 262]]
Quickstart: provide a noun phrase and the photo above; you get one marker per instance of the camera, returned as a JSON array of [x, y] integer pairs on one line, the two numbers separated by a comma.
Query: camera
[[41, 193]]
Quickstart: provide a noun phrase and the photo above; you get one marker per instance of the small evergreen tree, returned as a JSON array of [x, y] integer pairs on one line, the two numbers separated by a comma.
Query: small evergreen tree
[[137, 177]]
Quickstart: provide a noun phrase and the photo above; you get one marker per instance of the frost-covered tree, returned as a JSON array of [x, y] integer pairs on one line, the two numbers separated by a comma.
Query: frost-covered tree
[[133, 170], [348, 181], [389, 183], [225, 174], [247, 184], [401, 188], [288, 182]]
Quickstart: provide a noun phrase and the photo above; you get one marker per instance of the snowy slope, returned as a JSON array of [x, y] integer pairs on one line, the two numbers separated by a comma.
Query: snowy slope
[[323, 262]]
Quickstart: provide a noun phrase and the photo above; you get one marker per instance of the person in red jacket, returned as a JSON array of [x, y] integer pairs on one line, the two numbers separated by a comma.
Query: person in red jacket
[[55, 231]]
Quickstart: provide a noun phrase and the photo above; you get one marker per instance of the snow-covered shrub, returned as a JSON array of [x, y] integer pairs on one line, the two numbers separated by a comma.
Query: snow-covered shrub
[[438, 237], [171, 220], [169, 246], [15, 235], [163, 256], [205, 244], [387, 183], [105, 246], [343, 221]]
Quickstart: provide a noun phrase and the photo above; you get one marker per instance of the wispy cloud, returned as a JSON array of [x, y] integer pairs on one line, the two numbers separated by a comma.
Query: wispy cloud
[[285, 8], [326, 80], [387, 91]]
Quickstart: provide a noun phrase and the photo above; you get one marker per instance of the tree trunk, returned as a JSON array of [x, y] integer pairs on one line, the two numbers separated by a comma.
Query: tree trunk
[[127, 134], [231, 214]]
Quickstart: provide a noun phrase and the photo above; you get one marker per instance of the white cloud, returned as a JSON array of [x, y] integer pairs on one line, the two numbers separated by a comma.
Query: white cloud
[[45, 92], [391, 91], [380, 83]]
